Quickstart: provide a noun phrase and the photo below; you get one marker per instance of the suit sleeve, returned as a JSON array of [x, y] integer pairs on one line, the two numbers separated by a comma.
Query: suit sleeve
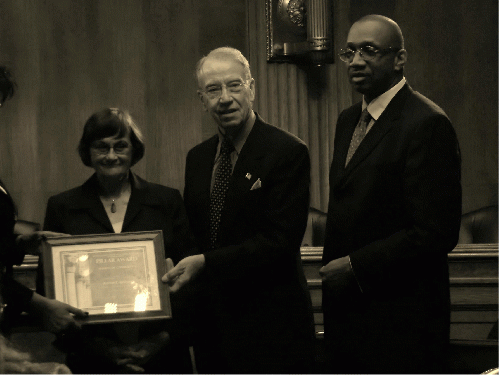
[[10, 254], [431, 183], [184, 242], [279, 226], [53, 223], [16, 295]]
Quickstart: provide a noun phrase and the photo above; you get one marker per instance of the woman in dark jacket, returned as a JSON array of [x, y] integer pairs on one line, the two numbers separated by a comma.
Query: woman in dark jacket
[[115, 200]]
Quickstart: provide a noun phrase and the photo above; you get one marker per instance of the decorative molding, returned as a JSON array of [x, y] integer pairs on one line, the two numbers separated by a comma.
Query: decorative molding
[[30, 263], [462, 252]]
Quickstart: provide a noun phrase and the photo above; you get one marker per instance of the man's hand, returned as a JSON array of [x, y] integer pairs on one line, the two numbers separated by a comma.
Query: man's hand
[[184, 272], [56, 316], [31, 243], [338, 273], [125, 357], [131, 358], [121, 355]]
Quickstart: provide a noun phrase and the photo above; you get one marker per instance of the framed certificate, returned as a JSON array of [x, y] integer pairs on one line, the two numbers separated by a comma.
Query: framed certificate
[[114, 277]]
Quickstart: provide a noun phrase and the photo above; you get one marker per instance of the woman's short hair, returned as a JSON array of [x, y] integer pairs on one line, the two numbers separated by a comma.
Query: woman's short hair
[[7, 85], [110, 122]]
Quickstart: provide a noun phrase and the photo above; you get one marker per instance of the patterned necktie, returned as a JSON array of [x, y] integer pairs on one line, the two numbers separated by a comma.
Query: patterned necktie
[[358, 134], [219, 191]]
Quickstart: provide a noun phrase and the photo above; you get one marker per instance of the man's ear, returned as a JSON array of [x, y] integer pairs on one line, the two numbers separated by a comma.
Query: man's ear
[[202, 98], [400, 60], [252, 89]]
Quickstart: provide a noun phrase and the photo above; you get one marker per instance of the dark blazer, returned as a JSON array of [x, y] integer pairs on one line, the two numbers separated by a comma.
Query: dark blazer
[[151, 207], [256, 313], [15, 295], [395, 209], [9, 255]]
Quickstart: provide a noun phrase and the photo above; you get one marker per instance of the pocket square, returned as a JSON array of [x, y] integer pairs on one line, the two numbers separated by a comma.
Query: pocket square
[[256, 185]]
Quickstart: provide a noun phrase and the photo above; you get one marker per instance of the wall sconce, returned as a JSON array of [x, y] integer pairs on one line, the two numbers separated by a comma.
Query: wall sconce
[[299, 31]]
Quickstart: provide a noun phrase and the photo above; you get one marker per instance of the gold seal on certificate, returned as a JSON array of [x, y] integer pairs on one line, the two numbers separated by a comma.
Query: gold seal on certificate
[[114, 277]]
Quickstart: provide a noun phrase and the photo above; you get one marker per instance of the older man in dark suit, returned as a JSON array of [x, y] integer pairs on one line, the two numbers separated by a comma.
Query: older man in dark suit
[[394, 215], [247, 198]]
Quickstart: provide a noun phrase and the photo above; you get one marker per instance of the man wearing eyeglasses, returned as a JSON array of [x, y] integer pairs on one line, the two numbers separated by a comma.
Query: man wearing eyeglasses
[[247, 198], [394, 215]]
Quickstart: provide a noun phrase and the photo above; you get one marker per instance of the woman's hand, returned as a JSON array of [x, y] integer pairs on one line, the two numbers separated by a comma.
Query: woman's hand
[[56, 316], [32, 243]]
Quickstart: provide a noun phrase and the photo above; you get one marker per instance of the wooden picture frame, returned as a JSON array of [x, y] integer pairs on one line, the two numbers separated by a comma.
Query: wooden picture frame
[[114, 277]]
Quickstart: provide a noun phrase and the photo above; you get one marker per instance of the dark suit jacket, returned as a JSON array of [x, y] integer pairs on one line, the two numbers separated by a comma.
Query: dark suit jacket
[[395, 209], [151, 207], [256, 316]]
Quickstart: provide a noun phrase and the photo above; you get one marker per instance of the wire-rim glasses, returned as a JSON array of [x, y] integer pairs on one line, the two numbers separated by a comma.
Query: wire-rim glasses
[[367, 53], [103, 148], [215, 91]]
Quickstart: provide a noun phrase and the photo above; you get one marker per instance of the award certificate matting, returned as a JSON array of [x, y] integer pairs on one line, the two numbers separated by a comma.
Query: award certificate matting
[[114, 277]]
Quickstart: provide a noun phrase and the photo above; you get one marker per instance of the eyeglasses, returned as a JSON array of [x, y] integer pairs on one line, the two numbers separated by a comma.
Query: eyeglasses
[[103, 148], [215, 91], [367, 53]]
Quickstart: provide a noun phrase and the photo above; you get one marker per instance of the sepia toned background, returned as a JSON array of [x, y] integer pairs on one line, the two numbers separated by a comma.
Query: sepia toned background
[[71, 58]]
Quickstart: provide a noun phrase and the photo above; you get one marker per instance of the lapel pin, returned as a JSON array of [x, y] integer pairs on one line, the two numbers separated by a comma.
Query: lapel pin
[[248, 176]]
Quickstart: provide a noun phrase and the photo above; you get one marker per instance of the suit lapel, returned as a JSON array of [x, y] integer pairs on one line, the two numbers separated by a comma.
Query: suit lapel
[[204, 173], [249, 161], [345, 128], [140, 196], [198, 181], [388, 119], [90, 202], [351, 120]]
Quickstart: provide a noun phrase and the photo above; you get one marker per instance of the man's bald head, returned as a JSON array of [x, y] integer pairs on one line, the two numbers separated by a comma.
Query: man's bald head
[[390, 28], [381, 65]]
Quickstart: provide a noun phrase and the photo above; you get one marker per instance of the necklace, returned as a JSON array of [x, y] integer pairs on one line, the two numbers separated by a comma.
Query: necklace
[[117, 200]]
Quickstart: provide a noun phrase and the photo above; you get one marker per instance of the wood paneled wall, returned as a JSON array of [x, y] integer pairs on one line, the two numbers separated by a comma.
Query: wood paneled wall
[[73, 57], [305, 101]]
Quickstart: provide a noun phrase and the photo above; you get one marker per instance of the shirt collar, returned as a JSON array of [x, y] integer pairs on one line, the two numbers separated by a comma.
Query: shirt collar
[[239, 140], [378, 105]]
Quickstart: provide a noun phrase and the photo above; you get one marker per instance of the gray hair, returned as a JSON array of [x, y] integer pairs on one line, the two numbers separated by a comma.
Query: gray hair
[[225, 53]]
